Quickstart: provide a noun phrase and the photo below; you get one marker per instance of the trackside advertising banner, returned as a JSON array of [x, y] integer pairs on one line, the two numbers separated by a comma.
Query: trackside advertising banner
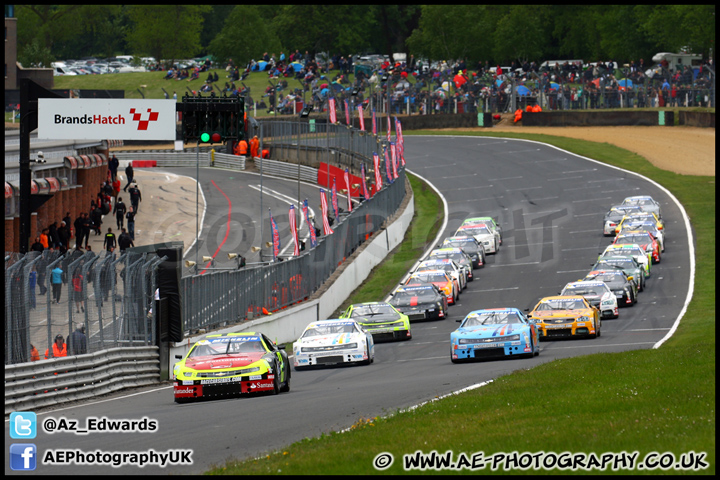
[[97, 119]]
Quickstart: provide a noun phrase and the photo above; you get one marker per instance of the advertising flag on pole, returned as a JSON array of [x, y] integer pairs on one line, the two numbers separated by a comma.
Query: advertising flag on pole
[[388, 168], [400, 141], [378, 175], [347, 113], [349, 189], [362, 119], [334, 200], [389, 125], [366, 193], [374, 122], [333, 117], [393, 156], [311, 226], [275, 237], [293, 230], [324, 207]]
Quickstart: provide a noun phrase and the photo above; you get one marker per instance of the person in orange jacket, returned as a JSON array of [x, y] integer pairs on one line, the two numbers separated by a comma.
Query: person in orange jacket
[[241, 148], [59, 348], [34, 354], [537, 108], [518, 115], [254, 146]]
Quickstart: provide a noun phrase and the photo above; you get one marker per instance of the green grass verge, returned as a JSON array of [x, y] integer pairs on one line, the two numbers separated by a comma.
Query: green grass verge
[[640, 401]]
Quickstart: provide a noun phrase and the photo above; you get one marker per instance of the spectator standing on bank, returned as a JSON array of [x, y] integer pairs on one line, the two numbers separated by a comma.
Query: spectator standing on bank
[[64, 234], [119, 210], [130, 217], [37, 246], [109, 242], [45, 238], [77, 341], [135, 197], [56, 281], [130, 175]]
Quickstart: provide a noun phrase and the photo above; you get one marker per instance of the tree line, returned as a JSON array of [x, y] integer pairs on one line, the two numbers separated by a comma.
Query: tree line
[[499, 34]]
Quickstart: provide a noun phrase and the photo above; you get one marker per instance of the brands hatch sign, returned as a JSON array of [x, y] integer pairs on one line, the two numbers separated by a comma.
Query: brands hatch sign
[[99, 119]]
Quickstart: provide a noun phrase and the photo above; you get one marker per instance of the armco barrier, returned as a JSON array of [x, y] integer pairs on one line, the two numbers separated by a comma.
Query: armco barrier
[[59, 380]]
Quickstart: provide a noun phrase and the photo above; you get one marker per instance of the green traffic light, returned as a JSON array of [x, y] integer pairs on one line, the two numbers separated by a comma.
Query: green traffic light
[[205, 137]]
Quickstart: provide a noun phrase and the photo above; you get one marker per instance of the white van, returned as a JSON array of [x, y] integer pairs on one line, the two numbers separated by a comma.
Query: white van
[[551, 63], [678, 60]]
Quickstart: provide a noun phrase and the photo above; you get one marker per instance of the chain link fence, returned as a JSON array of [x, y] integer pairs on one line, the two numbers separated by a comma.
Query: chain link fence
[[72, 304]]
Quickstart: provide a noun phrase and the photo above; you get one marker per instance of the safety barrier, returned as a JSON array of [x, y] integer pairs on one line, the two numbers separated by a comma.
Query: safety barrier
[[287, 170], [50, 382]]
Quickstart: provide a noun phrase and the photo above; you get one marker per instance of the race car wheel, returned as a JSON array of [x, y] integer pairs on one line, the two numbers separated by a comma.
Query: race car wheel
[[276, 382], [532, 350], [286, 386], [497, 247], [367, 353]]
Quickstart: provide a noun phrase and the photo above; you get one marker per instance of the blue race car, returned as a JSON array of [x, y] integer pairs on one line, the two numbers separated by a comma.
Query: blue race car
[[494, 332]]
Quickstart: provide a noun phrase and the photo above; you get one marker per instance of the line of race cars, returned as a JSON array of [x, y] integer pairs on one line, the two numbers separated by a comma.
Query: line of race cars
[[238, 363]]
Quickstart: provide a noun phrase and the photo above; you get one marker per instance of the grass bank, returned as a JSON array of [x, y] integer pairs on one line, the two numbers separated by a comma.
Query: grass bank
[[640, 401]]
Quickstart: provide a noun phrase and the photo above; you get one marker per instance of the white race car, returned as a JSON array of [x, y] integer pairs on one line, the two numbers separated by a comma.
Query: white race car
[[483, 235], [332, 342], [453, 269]]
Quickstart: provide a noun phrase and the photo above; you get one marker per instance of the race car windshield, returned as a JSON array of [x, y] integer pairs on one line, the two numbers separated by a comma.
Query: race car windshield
[[467, 245], [430, 277], [606, 277], [440, 266], [561, 304], [409, 297], [370, 310], [634, 238], [476, 230], [622, 263], [491, 318], [236, 346], [585, 291], [320, 330]]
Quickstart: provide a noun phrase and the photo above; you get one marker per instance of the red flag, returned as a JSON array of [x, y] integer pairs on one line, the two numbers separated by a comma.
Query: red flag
[[389, 129], [388, 167], [347, 113], [324, 207], [349, 189], [374, 122], [334, 200], [333, 118], [293, 230], [362, 119], [378, 175]]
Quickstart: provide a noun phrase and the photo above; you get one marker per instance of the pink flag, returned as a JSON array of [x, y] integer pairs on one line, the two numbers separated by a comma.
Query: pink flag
[[362, 119], [374, 122], [334, 200], [378, 175], [324, 207], [347, 113], [333, 117], [366, 193], [389, 129], [293, 230], [349, 189], [394, 160], [388, 167], [275, 236]]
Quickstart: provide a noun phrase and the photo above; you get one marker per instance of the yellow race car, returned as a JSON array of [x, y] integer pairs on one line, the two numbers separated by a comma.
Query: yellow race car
[[566, 316]]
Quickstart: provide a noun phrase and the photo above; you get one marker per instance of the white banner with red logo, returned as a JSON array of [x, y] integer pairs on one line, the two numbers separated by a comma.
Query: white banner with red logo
[[98, 119]]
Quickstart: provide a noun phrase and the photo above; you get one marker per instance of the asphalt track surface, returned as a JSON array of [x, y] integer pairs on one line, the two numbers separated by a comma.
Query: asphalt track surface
[[550, 204]]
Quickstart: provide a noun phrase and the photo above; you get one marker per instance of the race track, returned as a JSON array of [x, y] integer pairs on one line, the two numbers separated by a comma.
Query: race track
[[550, 204]]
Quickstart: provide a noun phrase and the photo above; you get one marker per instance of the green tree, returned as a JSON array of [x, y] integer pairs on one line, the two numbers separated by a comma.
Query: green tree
[[245, 36], [519, 36], [166, 32]]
